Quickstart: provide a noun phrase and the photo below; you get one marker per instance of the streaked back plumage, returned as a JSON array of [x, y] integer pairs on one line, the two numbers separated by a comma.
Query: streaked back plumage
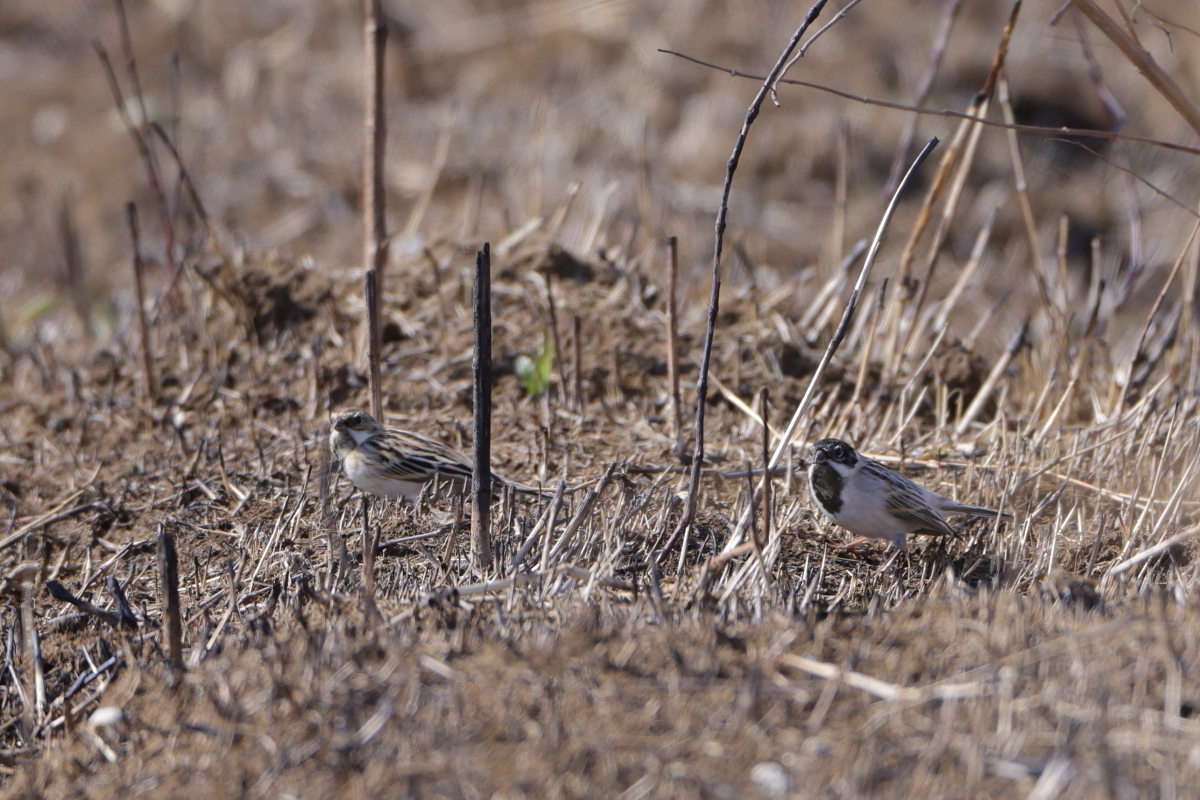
[[395, 463], [868, 499]]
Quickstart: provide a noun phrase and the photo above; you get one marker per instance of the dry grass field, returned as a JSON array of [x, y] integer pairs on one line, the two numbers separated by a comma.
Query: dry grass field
[[1053, 655]]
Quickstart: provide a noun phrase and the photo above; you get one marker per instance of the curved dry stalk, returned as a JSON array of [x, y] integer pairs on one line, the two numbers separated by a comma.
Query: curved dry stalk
[[847, 316], [715, 292]]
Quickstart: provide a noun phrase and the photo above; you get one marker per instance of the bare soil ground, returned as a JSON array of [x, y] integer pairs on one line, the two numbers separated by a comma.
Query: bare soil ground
[[1050, 656]]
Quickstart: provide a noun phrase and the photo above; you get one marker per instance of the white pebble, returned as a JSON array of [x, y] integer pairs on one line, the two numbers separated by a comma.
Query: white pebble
[[106, 716], [771, 778]]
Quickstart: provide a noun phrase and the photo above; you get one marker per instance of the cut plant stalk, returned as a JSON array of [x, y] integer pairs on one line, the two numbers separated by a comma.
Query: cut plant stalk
[[481, 485], [373, 343], [168, 587]]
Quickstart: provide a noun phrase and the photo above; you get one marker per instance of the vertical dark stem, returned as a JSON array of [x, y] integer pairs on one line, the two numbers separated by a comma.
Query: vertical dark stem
[[750, 503], [323, 480], [373, 342], [375, 133], [168, 587], [554, 337], [481, 484], [577, 368], [140, 294], [673, 344], [368, 559], [765, 412], [131, 63], [176, 123]]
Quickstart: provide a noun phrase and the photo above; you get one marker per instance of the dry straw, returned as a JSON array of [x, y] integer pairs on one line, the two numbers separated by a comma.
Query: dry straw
[[648, 628]]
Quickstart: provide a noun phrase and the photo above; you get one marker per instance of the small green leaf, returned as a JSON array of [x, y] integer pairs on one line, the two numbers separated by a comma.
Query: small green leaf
[[34, 308], [534, 368]]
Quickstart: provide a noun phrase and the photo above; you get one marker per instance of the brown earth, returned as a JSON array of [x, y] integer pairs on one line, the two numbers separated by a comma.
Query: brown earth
[[1046, 657]]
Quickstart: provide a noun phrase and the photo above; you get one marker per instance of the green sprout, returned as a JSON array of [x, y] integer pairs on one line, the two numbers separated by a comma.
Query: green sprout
[[534, 368]]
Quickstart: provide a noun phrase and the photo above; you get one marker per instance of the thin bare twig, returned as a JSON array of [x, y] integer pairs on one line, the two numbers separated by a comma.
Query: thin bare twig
[[764, 403], [577, 366], [929, 112], [715, 290], [140, 133], [140, 297], [673, 344], [1118, 119], [375, 242], [804, 47], [193, 193]]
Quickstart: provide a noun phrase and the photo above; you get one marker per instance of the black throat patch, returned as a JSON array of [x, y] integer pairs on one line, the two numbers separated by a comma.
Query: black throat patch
[[826, 486]]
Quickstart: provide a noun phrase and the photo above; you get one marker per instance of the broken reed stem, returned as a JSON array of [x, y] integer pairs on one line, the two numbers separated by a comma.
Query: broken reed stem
[[60, 593], [1022, 186], [577, 368], [373, 343], [714, 299], [168, 597], [35, 670], [1060, 252], [375, 243], [864, 357], [755, 546], [764, 401], [1139, 355], [326, 474], [368, 559], [989, 383], [841, 194], [673, 344], [481, 483], [965, 140], [140, 296]]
